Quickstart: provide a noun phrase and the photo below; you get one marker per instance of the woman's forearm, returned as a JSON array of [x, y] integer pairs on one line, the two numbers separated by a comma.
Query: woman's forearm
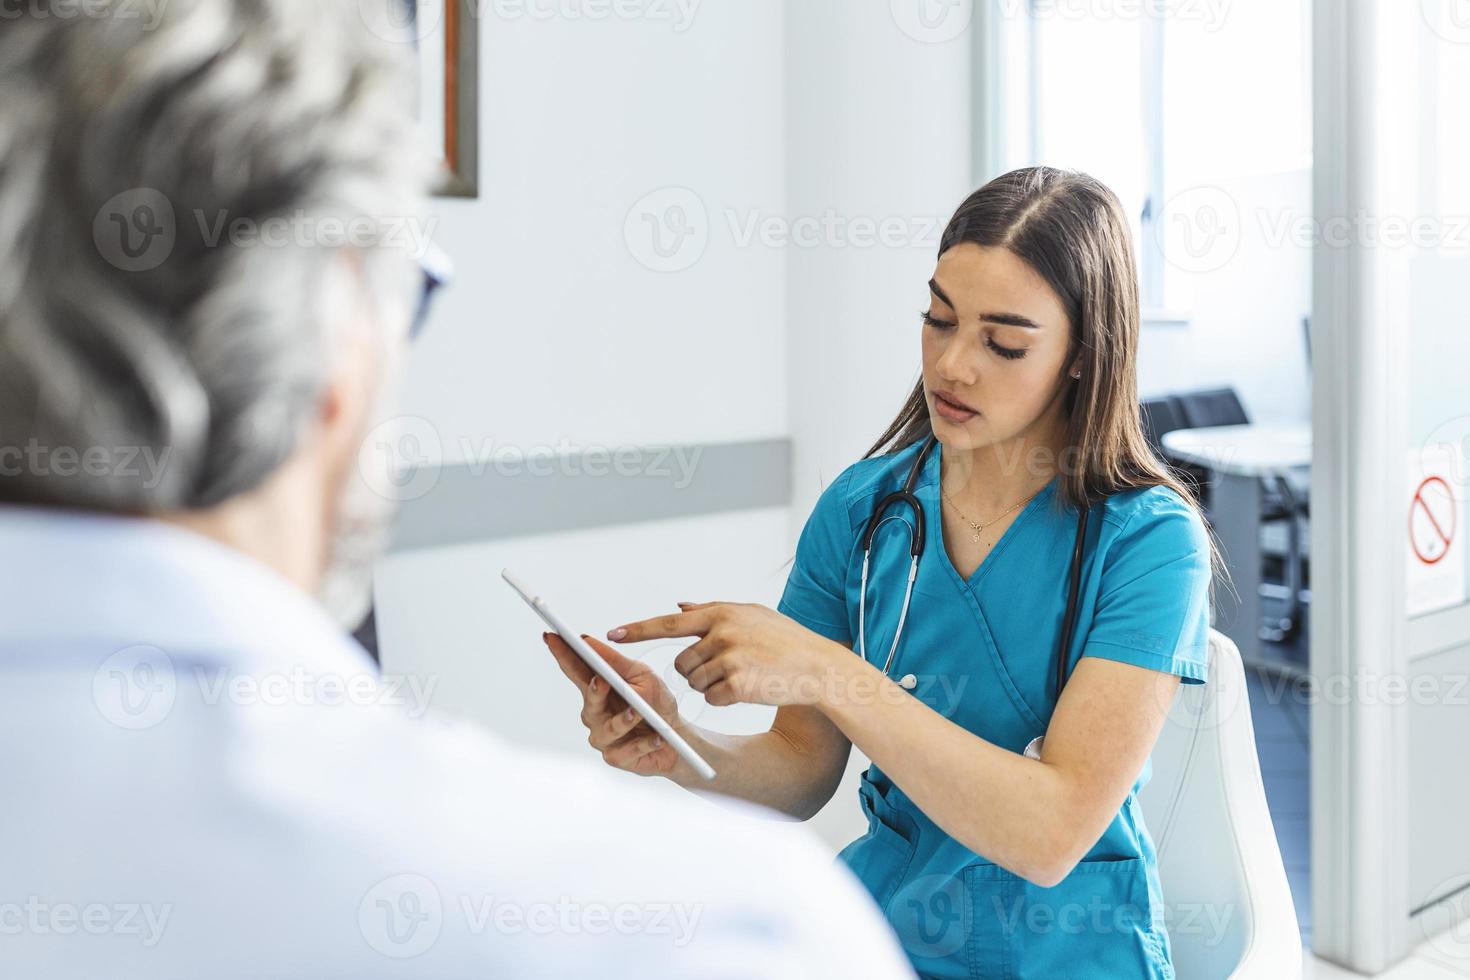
[[772, 769], [1006, 807]]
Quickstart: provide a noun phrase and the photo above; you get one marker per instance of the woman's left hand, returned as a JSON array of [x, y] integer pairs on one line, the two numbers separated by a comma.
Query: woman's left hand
[[746, 654]]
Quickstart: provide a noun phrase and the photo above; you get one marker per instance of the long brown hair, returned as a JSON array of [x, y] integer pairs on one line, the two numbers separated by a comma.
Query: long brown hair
[[1070, 228]]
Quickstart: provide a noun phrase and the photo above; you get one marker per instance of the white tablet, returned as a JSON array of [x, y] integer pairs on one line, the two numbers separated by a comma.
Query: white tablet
[[614, 680]]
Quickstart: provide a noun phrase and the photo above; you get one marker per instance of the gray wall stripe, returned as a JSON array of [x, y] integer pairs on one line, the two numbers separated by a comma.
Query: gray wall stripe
[[465, 503], [1439, 631]]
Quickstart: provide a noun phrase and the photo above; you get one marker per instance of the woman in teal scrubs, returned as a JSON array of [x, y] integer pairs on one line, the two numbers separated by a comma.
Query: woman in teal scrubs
[[988, 860]]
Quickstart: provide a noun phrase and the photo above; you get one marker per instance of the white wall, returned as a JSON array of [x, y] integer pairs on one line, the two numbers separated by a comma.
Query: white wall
[[1429, 321], [554, 329], [878, 131], [565, 329]]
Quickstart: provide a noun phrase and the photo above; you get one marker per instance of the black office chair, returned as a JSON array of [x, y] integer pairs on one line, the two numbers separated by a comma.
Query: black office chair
[[1160, 417], [1279, 502], [1213, 406]]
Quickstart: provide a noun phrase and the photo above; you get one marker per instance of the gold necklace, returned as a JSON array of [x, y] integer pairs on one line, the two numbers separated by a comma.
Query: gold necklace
[[977, 528]]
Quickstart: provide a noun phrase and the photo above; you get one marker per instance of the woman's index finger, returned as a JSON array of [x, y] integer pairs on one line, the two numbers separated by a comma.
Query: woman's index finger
[[696, 622]]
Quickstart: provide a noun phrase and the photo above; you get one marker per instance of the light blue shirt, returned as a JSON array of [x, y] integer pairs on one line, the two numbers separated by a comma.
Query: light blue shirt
[[983, 651], [203, 777]]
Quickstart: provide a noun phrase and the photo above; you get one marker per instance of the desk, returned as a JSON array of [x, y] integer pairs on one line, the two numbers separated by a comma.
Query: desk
[[1237, 456]]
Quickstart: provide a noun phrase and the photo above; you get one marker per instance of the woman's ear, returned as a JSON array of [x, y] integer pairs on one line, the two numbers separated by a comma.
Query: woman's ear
[[1074, 370]]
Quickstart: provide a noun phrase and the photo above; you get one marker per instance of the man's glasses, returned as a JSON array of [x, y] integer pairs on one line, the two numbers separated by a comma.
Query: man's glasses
[[437, 272]]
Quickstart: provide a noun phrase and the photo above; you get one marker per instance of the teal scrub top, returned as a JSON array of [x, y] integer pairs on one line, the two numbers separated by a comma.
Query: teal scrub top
[[983, 653]]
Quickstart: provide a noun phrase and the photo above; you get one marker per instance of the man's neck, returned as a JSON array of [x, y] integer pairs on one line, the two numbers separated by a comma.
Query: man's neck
[[270, 526]]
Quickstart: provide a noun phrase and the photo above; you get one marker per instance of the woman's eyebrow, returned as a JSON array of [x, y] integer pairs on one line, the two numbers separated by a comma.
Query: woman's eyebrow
[[1004, 319], [1010, 320], [943, 296]]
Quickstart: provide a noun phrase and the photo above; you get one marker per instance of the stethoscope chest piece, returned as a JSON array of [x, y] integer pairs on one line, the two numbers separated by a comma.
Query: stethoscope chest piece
[[908, 682]]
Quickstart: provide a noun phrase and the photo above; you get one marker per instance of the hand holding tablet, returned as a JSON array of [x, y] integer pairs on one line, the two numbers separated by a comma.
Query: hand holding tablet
[[615, 682]]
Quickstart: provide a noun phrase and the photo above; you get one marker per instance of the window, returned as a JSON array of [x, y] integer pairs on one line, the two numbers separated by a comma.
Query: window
[[1155, 99]]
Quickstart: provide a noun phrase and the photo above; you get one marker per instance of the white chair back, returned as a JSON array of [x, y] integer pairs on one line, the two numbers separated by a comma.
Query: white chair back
[[1230, 908]]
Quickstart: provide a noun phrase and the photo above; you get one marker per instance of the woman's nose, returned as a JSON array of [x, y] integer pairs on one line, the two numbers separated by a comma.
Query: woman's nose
[[957, 363]]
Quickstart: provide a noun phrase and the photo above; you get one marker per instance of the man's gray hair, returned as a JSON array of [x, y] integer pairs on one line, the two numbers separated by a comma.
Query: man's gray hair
[[176, 194]]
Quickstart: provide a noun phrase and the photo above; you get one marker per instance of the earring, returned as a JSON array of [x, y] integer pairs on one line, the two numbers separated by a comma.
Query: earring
[[1076, 375]]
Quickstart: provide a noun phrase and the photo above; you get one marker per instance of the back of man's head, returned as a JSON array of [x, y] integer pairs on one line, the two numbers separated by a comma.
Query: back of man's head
[[194, 195]]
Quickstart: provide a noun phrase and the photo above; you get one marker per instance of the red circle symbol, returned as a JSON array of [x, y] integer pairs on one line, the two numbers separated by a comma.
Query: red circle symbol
[[1431, 535]]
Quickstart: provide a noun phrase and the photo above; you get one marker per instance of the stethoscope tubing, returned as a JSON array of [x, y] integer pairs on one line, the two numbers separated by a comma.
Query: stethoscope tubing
[[916, 550]]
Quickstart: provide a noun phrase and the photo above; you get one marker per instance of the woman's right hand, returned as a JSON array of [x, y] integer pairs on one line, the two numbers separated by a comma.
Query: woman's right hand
[[625, 740]]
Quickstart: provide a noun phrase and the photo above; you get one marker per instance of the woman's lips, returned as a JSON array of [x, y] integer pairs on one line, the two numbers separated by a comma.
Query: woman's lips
[[952, 410]]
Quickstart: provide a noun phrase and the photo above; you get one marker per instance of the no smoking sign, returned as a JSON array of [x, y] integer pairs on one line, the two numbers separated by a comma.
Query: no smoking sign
[[1433, 520], [1437, 567]]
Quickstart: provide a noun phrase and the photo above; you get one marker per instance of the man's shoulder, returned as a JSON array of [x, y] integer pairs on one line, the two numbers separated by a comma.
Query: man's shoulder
[[306, 839], [522, 843]]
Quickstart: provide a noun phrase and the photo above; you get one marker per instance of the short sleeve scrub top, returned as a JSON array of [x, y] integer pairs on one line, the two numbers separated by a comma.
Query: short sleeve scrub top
[[982, 651]]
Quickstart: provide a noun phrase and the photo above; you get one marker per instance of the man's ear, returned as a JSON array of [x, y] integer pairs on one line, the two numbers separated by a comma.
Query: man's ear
[[352, 358]]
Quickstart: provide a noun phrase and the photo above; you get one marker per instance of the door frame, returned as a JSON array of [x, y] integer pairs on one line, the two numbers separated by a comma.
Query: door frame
[[1359, 758]]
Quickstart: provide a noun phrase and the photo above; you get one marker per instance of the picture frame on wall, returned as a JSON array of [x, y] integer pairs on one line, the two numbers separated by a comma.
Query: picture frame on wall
[[447, 41]]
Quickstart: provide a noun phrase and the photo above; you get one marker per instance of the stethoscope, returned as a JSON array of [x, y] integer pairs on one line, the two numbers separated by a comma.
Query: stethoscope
[[916, 551]]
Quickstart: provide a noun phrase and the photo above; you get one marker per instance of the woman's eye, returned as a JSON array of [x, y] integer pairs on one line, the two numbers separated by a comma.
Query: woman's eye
[[1009, 353]]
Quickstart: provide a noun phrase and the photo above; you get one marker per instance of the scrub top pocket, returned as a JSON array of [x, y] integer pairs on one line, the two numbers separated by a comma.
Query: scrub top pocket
[[881, 857], [1097, 923]]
